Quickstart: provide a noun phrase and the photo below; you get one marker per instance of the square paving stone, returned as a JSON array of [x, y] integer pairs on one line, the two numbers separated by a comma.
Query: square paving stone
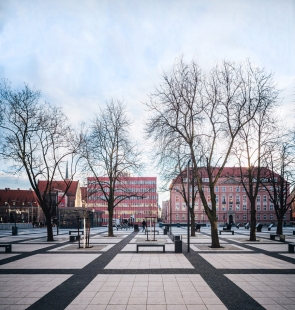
[[15, 295], [149, 261], [245, 261], [26, 247], [271, 247], [155, 292], [272, 291], [52, 261]]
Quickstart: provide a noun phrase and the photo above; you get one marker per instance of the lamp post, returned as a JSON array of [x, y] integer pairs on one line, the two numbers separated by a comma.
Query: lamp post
[[188, 211], [7, 204]]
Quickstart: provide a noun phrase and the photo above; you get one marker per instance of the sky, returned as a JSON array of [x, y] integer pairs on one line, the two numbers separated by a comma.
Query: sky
[[82, 53]]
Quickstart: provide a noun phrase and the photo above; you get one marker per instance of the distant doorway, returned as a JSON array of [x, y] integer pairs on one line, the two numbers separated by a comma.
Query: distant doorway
[[230, 218]]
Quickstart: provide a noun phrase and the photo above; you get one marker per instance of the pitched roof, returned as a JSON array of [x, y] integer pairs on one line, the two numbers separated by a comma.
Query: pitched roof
[[60, 185], [18, 197]]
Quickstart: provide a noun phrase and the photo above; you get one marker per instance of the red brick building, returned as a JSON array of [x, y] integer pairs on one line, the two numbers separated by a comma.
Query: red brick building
[[143, 200], [19, 205], [232, 203]]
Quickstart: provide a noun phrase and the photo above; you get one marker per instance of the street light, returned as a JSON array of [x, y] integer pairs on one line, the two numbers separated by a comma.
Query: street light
[[7, 204]]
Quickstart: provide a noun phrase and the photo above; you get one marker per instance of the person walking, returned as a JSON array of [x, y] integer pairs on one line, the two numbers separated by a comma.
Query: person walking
[[143, 225]]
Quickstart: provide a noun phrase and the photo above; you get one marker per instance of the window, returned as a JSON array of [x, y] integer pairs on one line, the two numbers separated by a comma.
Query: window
[[202, 216], [237, 199], [264, 199], [258, 199], [183, 206], [271, 207], [238, 217], [258, 208], [205, 179], [238, 207], [217, 217], [176, 198], [223, 208], [183, 216], [244, 198], [285, 217], [230, 188], [176, 216], [196, 216], [177, 207], [238, 189], [223, 200], [265, 217], [216, 189], [244, 217], [223, 189], [230, 198], [244, 208], [258, 217], [271, 217], [264, 207]]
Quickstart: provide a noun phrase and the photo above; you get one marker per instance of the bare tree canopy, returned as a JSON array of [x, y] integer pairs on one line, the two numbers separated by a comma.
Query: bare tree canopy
[[110, 155], [252, 150], [279, 177], [36, 140], [205, 113]]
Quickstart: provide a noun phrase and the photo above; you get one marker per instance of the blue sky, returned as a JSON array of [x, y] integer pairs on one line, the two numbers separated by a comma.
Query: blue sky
[[81, 53]]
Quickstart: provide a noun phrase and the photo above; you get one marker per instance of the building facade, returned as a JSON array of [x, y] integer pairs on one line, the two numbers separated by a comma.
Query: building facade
[[20, 206], [232, 203], [141, 198]]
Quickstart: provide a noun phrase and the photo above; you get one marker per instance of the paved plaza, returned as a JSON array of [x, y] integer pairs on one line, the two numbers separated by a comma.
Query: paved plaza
[[112, 275]]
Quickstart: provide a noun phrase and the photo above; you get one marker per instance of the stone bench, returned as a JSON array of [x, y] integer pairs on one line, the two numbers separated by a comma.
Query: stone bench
[[7, 247], [274, 236], [231, 231], [154, 244], [76, 231], [291, 247], [74, 238]]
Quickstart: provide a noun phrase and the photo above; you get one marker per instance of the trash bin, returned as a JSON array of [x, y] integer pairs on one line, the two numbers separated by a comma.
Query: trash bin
[[14, 231], [165, 231], [167, 227], [178, 246], [135, 226], [176, 237]]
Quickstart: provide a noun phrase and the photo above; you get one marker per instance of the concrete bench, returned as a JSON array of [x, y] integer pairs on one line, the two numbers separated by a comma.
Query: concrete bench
[[270, 227], [76, 231], [151, 232], [154, 244], [293, 232], [7, 247], [291, 247], [231, 231], [274, 236], [74, 238]]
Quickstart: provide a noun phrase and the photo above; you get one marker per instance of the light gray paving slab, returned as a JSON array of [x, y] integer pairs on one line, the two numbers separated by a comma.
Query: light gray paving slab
[[52, 261], [245, 261], [149, 261], [272, 291], [147, 292], [15, 295]]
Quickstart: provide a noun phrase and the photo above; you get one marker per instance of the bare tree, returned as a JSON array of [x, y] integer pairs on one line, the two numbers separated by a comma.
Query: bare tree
[[110, 156], [36, 140], [279, 178], [206, 113], [251, 150]]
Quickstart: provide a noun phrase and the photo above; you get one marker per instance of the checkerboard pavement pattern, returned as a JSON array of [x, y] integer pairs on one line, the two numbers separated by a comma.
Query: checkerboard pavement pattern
[[111, 275]]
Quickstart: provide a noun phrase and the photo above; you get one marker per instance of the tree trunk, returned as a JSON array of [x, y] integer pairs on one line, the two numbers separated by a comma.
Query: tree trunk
[[193, 231], [214, 234], [253, 223], [280, 225], [49, 228], [110, 230]]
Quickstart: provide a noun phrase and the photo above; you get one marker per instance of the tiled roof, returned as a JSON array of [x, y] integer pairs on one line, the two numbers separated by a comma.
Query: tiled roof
[[17, 197], [60, 185]]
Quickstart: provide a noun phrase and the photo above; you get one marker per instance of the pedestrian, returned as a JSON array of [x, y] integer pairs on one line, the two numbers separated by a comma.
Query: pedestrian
[[143, 225]]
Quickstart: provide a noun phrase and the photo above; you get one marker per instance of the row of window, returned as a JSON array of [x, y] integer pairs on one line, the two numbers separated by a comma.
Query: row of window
[[244, 218], [128, 198], [131, 182], [224, 189]]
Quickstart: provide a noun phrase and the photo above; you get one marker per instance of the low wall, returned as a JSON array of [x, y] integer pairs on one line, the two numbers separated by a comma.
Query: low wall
[[19, 225]]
